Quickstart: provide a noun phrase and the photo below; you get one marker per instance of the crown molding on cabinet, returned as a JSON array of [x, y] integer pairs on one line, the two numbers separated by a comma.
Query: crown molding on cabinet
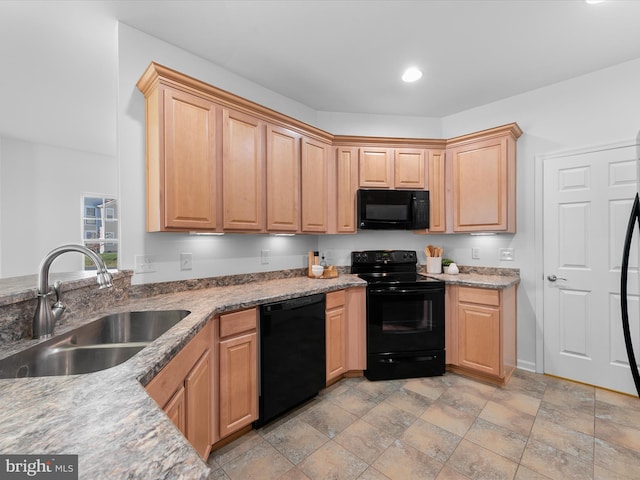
[[156, 72]]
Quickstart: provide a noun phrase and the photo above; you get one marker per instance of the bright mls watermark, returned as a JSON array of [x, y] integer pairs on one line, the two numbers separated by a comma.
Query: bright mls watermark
[[51, 467]]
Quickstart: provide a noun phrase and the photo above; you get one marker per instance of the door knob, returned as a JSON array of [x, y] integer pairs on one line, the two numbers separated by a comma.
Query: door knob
[[553, 278]]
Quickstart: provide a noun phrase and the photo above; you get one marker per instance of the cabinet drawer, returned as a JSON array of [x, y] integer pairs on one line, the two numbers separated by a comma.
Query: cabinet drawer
[[335, 299], [238, 322], [483, 296]]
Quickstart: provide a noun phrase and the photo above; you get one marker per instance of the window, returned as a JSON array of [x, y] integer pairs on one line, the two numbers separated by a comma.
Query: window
[[100, 228]]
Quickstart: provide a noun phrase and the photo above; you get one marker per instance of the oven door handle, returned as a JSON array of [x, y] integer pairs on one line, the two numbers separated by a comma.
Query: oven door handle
[[393, 291]]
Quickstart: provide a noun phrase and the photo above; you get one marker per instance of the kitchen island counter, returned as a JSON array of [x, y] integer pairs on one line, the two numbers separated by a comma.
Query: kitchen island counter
[[107, 418]]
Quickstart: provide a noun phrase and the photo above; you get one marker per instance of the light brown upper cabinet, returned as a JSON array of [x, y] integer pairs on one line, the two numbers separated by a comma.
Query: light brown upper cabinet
[[181, 160], [346, 178], [243, 169], [315, 185], [437, 191], [219, 162], [283, 180], [376, 167], [482, 178], [408, 168], [392, 168]]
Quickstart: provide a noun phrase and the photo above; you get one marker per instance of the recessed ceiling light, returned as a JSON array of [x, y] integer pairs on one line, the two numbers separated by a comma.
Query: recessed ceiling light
[[411, 74]]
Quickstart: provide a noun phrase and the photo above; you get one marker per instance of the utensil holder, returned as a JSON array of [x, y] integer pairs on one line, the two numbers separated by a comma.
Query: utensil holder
[[434, 264]]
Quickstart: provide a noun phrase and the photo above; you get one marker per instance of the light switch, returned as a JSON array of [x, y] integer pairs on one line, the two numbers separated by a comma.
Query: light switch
[[186, 261], [475, 253]]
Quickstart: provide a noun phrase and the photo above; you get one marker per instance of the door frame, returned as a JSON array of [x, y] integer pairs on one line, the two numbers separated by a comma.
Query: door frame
[[539, 228]]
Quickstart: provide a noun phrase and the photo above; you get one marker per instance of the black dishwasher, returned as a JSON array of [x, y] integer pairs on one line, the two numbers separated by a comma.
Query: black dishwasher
[[292, 354]]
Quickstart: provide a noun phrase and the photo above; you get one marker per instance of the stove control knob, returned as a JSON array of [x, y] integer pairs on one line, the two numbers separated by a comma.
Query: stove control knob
[[361, 257]]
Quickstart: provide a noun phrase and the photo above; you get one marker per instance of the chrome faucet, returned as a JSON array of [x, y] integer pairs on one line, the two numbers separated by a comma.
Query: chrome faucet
[[45, 316]]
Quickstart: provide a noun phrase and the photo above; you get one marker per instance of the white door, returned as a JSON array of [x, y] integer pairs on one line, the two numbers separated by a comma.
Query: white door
[[587, 202]]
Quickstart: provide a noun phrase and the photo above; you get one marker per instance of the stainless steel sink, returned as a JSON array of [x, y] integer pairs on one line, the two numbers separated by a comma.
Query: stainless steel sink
[[127, 327], [98, 345]]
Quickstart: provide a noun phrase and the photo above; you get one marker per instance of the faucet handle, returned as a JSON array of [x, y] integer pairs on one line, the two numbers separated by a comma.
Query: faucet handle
[[56, 289], [58, 307]]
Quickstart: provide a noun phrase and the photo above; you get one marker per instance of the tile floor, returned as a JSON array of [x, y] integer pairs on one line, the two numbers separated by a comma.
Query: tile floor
[[448, 427]]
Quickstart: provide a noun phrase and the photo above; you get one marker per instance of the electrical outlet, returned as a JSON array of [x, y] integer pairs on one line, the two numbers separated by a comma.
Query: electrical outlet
[[506, 254], [264, 257], [475, 253], [144, 264], [186, 261]]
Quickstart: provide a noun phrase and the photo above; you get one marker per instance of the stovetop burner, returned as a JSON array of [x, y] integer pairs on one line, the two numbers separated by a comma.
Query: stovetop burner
[[389, 267]]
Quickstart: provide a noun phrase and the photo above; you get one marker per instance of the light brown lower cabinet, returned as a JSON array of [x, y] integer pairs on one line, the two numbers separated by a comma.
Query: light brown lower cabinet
[[197, 388], [346, 339], [481, 332], [237, 345], [183, 390], [336, 335], [176, 410], [356, 308], [209, 390]]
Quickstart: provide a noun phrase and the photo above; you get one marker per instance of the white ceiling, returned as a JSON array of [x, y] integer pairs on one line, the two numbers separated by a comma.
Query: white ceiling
[[347, 56]]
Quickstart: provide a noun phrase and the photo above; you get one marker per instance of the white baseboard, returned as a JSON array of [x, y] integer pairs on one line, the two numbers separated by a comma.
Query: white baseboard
[[526, 365]]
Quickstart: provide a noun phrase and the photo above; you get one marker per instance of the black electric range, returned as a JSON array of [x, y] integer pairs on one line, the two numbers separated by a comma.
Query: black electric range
[[400, 301]]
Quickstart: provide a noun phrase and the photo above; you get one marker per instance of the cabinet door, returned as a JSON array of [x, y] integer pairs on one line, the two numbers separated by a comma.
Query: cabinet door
[[376, 167], [314, 183], [356, 307], [437, 193], [176, 410], [480, 186], [409, 168], [238, 382], [242, 172], [189, 177], [336, 335], [347, 186], [198, 399], [283, 180], [479, 338]]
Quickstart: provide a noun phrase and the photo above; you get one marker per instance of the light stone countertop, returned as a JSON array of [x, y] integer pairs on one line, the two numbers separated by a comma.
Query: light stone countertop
[[106, 418], [496, 282]]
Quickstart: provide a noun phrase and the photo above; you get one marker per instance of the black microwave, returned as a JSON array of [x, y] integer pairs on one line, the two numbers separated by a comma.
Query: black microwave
[[393, 209]]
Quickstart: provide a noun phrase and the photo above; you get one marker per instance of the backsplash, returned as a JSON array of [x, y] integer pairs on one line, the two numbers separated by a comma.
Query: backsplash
[[153, 289], [82, 298], [515, 272]]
